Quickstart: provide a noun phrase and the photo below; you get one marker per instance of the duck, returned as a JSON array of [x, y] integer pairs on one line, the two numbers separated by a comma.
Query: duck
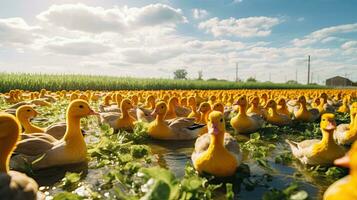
[[319, 152], [14, 185], [119, 121], [344, 108], [217, 152], [244, 123], [181, 128], [205, 109], [193, 106], [282, 107], [143, 113], [70, 149], [275, 118], [303, 114], [255, 107], [347, 133], [345, 188], [324, 105], [52, 133]]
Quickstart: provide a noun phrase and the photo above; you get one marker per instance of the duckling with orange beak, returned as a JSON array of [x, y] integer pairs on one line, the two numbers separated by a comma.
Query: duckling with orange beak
[[217, 152], [345, 188], [244, 123], [319, 152], [176, 129], [69, 150], [274, 117], [14, 185], [282, 107], [303, 114]]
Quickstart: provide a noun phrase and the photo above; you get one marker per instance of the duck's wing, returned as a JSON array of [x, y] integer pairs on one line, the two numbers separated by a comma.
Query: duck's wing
[[17, 105], [109, 118], [182, 112], [257, 119], [232, 146], [185, 128], [300, 149], [33, 146], [315, 113], [43, 136], [144, 115], [201, 145], [57, 130], [112, 108]]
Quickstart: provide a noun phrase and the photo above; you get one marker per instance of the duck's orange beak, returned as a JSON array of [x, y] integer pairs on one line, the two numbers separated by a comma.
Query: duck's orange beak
[[154, 112], [331, 125], [343, 162]]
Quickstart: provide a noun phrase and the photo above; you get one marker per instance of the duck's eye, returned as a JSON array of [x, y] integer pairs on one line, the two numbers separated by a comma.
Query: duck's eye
[[221, 120], [162, 106], [323, 119], [80, 106], [28, 110]]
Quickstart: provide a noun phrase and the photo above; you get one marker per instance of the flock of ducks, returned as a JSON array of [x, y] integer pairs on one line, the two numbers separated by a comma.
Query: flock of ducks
[[176, 115]]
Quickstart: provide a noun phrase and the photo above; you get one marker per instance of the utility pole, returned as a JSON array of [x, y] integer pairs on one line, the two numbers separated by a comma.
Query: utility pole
[[236, 71], [308, 70], [296, 74]]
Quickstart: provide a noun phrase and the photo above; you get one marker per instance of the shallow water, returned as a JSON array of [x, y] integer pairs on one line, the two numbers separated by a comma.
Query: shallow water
[[175, 155]]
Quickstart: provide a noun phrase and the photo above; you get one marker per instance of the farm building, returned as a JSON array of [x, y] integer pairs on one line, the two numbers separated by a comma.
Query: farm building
[[339, 81]]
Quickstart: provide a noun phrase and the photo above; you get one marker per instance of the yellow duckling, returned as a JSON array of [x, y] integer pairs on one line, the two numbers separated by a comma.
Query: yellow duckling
[[217, 152], [121, 120], [319, 152], [52, 133], [171, 112], [176, 129], [347, 133], [244, 123], [255, 107], [303, 114], [282, 107], [193, 106], [14, 185], [204, 109], [143, 114], [344, 108], [69, 150], [274, 117], [345, 188]]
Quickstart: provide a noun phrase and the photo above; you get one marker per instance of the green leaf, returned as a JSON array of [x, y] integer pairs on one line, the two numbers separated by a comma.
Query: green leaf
[[67, 196], [300, 195], [160, 190]]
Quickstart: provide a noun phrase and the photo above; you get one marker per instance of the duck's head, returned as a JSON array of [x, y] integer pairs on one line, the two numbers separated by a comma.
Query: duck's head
[[150, 99], [192, 101], [302, 99], [216, 124], [271, 104], [183, 101], [204, 107], [242, 101], [173, 102], [126, 105], [80, 108], [281, 102], [213, 98], [160, 108], [26, 112], [255, 100], [324, 96], [218, 107], [328, 122], [9, 135]]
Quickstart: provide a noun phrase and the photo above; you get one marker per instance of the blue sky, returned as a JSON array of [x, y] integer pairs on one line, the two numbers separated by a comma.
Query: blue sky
[[153, 38]]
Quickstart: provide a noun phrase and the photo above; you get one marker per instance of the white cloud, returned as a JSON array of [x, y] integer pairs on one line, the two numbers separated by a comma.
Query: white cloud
[[243, 27], [79, 47], [97, 19], [349, 45], [324, 33], [199, 13], [16, 31], [237, 1]]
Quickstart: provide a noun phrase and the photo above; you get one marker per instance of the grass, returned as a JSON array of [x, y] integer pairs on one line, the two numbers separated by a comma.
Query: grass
[[36, 82]]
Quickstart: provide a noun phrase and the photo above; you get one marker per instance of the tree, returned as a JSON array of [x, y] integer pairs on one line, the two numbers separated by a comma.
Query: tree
[[200, 75], [292, 82], [180, 74], [251, 79]]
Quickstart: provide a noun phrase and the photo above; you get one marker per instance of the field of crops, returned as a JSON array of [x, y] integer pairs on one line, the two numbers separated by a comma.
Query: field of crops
[[126, 158], [35, 82]]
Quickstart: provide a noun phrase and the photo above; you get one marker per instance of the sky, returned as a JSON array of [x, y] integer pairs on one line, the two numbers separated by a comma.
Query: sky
[[269, 39]]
